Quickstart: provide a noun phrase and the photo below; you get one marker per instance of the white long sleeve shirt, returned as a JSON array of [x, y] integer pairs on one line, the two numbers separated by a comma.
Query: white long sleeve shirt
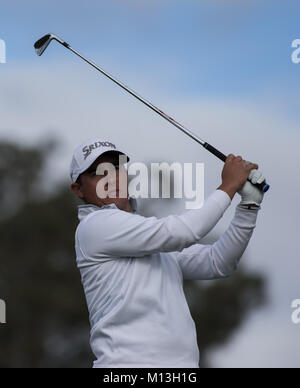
[[132, 270]]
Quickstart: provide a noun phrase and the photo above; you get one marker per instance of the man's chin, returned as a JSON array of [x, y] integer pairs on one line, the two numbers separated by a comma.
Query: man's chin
[[121, 203]]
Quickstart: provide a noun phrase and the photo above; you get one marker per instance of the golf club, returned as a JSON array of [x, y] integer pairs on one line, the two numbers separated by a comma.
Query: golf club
[[42, 44]]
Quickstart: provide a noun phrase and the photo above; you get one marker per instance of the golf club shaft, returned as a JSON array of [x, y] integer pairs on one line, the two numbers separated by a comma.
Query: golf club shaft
[[264, 187], [144, 101]]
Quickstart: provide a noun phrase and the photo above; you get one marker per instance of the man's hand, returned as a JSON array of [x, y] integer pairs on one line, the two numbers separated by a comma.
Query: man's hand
[[235, 174], [250, 194]]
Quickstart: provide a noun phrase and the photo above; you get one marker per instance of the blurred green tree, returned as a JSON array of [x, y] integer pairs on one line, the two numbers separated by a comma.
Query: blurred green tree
[[47, 319], [220, 307]]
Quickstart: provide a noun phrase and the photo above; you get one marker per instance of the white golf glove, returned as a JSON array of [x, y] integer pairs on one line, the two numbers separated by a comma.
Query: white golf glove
[[250, 194]]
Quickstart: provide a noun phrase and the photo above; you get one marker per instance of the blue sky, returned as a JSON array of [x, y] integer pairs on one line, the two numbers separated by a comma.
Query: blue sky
[[203, 48]]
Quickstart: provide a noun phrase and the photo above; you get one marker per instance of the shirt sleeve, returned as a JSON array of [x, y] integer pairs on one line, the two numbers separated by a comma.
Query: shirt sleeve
[[206, 262], [113, 232]]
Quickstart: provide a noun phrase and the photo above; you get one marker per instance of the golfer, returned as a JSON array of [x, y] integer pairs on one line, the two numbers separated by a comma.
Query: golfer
[[132, 267]]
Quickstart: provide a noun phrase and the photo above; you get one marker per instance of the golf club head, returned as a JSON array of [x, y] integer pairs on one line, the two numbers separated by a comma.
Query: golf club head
[[41, 45]]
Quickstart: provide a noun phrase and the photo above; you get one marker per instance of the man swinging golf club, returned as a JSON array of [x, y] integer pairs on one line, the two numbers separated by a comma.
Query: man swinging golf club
[[132, 267]]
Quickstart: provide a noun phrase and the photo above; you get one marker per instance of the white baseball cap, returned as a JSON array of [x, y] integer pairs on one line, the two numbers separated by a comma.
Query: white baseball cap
[[86, 154]]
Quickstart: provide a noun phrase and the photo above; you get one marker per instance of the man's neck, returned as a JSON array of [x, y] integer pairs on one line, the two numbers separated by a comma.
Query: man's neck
[[128, 207]]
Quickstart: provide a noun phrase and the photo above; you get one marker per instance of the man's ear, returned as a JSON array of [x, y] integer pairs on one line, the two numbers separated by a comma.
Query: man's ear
[[76, 188]]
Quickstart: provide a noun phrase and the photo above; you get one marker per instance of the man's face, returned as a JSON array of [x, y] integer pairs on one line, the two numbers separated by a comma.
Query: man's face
[[108, 187]]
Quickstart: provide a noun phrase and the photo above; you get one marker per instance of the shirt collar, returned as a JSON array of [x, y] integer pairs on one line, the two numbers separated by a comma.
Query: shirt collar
[[85, 210]]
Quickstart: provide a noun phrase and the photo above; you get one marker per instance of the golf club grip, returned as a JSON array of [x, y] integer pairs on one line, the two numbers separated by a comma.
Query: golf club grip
[[214, 151], [264, 187]]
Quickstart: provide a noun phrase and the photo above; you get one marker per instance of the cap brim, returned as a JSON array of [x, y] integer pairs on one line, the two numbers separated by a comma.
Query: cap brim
[[92, 160], [106, 152]]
